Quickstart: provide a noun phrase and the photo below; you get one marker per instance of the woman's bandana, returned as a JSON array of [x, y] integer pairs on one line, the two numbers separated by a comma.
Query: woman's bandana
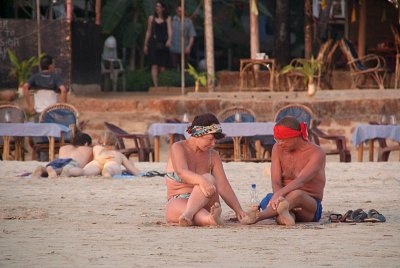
[[282, 132], [198, 131]]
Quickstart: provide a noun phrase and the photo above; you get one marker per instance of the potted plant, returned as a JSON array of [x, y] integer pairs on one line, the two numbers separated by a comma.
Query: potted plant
[[309, 68], [199, 78], [22, 69]]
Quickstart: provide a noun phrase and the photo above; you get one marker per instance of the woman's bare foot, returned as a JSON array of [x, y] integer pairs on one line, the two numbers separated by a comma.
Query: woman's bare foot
[[185, 221], [251, 216], [285, 217], [215, 214]]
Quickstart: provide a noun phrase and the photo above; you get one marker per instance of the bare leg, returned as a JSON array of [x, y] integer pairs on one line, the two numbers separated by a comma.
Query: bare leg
[[37, 173], [52, 172], [205, 218], [196, 201], [306, 203], [72, 172], [92, 169], [154, 75], [111, 168]]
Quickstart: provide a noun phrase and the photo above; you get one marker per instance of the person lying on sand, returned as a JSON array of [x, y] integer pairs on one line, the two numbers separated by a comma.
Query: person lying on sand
[[297, 175], [196, 179], [107, 161], [71, 159]]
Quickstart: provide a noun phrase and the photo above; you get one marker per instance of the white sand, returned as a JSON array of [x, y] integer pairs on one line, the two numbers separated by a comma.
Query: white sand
[[81, 222]]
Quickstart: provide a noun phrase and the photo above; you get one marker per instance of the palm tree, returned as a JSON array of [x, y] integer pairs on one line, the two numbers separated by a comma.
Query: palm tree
[[282, 36], [308, 26]]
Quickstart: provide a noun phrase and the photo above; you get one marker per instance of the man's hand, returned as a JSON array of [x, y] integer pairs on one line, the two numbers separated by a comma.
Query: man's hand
[[207, 188], [240, 215], [274, 202]]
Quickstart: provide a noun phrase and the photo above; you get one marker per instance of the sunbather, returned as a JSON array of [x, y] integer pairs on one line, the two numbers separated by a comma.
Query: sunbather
[[72, 158], [107, 161]]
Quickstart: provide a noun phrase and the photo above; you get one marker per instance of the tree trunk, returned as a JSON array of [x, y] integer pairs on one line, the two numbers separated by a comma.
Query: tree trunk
[[131, 65], [209, 40], [308, 29], [282, 36], [323, 22], [98, 11], [254, 29]]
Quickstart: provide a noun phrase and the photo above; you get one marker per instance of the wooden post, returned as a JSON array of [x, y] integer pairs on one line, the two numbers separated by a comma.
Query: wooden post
[[39, 42], [98, 11], [362, 28], [183, 47], [69, 11], [209, 36]]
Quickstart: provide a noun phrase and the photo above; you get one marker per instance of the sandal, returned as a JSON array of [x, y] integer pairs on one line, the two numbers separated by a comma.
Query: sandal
[[334, 217], [347, 217], [359, 215], [374, 216], [153, 173]]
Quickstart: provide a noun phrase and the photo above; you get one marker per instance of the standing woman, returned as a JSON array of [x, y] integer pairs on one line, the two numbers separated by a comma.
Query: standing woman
[[196, 179], [158, 40]]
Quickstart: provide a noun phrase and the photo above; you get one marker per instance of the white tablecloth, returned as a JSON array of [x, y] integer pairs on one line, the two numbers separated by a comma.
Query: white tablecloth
[[368, 132], [32, 129], [230, 129]]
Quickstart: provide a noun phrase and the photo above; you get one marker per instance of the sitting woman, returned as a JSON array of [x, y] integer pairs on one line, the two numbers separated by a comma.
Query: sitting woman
[[107, 161], [195, 177]]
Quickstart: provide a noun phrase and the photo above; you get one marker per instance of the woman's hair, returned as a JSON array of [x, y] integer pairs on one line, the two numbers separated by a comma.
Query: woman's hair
[[164, 13], [107, 139], [205, 120]]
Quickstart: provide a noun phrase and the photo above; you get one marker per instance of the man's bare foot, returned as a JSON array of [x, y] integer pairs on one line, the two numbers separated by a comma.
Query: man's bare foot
[[215, 214], [64, 172], [285, 217], [185, 221], [52, 173], [37, 173], [251, 215]]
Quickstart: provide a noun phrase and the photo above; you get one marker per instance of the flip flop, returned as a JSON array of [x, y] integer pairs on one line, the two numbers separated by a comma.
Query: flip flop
[[359, 215], [347, 217], [153, 173], [334, 217], [374, 216]]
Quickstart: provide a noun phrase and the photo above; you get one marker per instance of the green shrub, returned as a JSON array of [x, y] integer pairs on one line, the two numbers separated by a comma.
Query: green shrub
[[138, 80], [172, 78]]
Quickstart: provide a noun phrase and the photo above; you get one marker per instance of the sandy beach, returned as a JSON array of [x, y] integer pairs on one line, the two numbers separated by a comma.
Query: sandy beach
[[93, 221]]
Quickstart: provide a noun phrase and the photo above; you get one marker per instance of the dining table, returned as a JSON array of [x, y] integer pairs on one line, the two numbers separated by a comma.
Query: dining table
[[30, 129], [236, 131], [368, 133]]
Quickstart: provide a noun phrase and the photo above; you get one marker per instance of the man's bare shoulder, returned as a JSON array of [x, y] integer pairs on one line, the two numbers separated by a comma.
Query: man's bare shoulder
[[317, 149]]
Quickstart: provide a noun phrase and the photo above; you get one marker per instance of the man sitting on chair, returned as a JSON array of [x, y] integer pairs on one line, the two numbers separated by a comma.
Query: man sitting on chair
[[48, 83]]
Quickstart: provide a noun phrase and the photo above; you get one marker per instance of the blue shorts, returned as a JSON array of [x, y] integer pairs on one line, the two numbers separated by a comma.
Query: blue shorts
[[318, 211], [59, 163]]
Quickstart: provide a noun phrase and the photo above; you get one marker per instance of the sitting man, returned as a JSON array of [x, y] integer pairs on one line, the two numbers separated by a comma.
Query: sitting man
[[107, 161], [297, 175], [48, 83], [72, 159]]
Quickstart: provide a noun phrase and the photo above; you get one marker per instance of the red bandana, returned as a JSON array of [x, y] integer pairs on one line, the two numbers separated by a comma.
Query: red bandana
[[282, 132]]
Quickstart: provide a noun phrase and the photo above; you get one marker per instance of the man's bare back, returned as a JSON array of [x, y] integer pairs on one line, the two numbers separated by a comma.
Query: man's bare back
[[81, 154]]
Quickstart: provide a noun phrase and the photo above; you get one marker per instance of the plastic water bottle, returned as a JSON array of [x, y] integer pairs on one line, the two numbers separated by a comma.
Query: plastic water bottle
[[254, 195]]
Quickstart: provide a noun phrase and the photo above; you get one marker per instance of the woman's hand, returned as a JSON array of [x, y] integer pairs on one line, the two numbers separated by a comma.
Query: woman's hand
[[207, 188], [240, 215], [168, 43]]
